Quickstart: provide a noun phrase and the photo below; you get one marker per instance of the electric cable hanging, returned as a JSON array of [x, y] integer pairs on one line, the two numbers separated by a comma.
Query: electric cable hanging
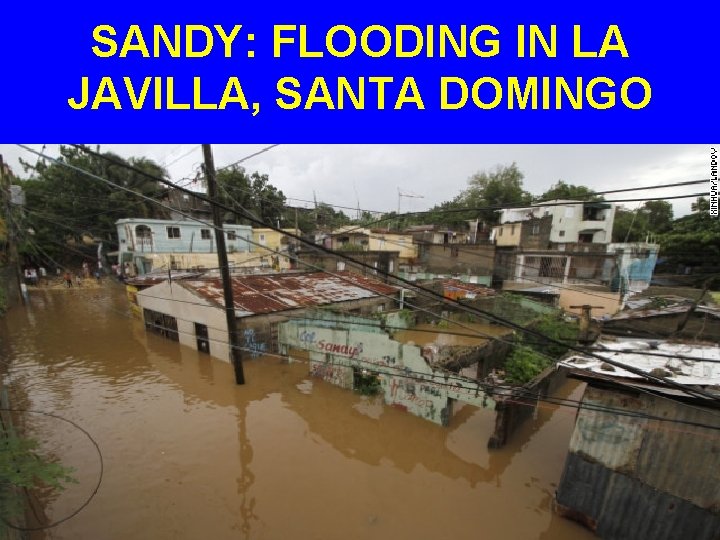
[[657, 379]]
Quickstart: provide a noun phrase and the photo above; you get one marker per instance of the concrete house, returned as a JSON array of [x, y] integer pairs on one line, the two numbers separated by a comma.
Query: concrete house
[[566, 246], [274, 249], [192, 311], [147, 244], [351, 238]]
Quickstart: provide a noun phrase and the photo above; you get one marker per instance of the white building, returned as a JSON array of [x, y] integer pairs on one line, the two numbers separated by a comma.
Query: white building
[[573, 222]]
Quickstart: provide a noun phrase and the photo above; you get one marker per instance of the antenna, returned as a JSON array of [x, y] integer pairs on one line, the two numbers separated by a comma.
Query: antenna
[[407, 195]]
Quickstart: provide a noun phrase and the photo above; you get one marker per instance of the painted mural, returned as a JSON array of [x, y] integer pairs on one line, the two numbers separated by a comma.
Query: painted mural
[[345, 348]]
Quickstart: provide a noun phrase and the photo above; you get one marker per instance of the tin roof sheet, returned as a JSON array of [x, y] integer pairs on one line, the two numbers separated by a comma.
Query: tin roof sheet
[[254, 295], [678, 366]]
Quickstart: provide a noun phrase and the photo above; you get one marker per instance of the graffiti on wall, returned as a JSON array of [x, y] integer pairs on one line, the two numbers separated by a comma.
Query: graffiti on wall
[[252, 344], [338, 375]]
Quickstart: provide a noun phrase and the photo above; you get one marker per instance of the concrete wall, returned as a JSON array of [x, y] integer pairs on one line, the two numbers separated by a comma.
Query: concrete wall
[[461, 259], [633, 477], [407, 381], [403, 243], [188, 308], [608, 303], [508, 234]]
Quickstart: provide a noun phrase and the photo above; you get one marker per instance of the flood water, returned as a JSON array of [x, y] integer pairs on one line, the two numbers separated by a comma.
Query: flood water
[[188, 454], [454, 334]]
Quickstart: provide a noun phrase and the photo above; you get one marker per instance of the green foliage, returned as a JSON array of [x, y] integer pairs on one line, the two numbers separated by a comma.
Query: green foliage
[[253, 193], [528, 360], [557, 328], [524, 364], [500, 186], [561, 190], [367, 384], [21, 467], [694, 239], [654, 217], [62, 203]]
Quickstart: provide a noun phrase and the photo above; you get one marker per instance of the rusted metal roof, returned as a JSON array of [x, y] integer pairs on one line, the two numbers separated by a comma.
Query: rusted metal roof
[[454, 288], [255, 295]]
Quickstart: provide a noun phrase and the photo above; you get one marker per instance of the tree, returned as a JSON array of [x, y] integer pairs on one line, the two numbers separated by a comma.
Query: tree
[[659, 216], [561, 190], [251, 193], [693, 240], [629, 225], [499, 187], [62, 203]]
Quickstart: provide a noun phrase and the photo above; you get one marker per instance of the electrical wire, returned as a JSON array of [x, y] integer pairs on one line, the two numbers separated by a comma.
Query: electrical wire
[[100, 474], [688, 390]]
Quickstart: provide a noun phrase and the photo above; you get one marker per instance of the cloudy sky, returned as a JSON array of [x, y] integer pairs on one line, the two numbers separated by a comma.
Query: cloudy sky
[[371, 175]]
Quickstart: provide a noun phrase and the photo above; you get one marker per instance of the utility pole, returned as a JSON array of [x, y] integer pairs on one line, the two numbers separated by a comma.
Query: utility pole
[[235, 351]]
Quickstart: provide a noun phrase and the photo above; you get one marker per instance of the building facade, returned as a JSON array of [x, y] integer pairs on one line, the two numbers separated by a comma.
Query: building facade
[[147, 244]]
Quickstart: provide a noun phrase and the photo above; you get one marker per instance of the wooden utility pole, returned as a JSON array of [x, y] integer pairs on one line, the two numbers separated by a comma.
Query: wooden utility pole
[[235, 351]]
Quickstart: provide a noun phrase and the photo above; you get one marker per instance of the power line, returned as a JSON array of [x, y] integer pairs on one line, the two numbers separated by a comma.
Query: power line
[[243, 160], [657, 379]]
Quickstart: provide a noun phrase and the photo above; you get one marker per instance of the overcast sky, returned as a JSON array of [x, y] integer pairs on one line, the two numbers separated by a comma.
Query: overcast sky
[[372, 174]]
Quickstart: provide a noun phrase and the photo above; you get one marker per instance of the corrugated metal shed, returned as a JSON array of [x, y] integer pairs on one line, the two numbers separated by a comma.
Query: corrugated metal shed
[[254, 295], [628, 476]]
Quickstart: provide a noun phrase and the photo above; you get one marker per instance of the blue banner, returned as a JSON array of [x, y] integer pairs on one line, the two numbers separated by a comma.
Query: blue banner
[[379, 72]]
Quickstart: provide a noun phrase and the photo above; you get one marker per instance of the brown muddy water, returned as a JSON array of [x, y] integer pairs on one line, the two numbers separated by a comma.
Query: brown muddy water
[[430, 334], [188, 454]]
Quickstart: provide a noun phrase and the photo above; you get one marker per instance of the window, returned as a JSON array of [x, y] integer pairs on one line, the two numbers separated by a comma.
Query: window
[[340, 266], [535, 229], [203, 340], [173, 232], [512, 229], [143, 231], [501, 230], [231, 235], [561, 233], [205, 234], [161, 324]]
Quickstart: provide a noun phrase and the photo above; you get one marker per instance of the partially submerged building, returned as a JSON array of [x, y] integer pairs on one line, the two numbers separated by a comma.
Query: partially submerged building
[[355, 353], [192, 311], [644, 458]]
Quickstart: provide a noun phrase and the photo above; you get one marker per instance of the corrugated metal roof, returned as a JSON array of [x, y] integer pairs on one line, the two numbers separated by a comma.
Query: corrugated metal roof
[[473, 289], [631, 352], [254, 295], [670, 310]]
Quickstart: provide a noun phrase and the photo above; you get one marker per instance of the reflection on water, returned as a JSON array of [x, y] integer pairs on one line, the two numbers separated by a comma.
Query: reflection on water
[[188, 454], [454, 334]]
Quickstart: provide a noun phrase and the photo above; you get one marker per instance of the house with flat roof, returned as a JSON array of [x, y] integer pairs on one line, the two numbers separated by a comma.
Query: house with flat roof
[[151, 244]]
